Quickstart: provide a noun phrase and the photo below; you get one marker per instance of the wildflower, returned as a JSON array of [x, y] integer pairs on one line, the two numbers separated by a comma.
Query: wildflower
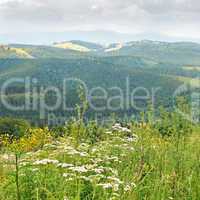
[[133, 184], [118, 127], [73, 152], [64, 165], [97, 160], [24, 164], [130, 139], [125, 130], [83, 154], [94, 150], [66, 175], [80, 169], [99, 170], [45, 162], [116, 187], [105, 185], [91, 167], [127, 188], [114, 158]]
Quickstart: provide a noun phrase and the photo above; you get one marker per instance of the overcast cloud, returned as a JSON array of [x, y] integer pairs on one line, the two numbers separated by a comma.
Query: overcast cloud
[[170, 18]]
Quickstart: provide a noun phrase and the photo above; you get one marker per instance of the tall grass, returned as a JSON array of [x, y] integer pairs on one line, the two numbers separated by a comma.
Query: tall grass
[[137, 163]]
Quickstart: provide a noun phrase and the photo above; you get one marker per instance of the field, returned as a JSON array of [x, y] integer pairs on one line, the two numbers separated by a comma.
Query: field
[[153, 155], [122, 162]]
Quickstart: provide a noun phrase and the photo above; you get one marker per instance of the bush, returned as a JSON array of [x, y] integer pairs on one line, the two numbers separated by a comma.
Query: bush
[[14, 128]]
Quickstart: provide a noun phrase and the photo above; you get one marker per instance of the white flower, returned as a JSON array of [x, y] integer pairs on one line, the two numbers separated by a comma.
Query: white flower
[[118, 127], [66, 175], [94, 150], [83, 154], [73, 152], [133, 184], [126, 130], [97, 160], [99, 170], [65, 165], [80, 169], [114, 158], [24, 163], [127, 188], [105, 185], [91, 166], [116, 187], [45, 162]]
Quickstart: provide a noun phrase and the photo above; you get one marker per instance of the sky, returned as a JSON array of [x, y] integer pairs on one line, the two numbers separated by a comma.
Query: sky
[[101, 20]]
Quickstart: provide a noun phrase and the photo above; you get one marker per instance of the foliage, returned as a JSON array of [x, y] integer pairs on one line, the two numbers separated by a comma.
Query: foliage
[[15, 128], [139, 165]]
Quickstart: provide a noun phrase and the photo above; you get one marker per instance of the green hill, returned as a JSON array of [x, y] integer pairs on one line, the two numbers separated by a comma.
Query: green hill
[[145, 64]]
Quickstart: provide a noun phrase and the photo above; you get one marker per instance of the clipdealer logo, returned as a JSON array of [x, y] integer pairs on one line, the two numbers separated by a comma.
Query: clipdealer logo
[[191, 89]]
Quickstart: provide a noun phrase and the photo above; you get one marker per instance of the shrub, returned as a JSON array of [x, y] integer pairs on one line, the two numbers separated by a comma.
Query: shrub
[[14, 128]]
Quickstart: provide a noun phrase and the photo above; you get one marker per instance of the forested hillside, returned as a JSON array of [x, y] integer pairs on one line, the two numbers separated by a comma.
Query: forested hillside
[[144, 64]]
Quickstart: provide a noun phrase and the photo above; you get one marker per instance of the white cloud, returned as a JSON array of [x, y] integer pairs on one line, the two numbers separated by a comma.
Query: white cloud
[[172, 17]]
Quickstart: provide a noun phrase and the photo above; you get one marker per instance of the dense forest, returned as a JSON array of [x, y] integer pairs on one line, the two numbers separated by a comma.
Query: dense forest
[[146, 64]]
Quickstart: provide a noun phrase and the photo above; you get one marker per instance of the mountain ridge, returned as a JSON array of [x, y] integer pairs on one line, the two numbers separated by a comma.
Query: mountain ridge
[[187, 53]]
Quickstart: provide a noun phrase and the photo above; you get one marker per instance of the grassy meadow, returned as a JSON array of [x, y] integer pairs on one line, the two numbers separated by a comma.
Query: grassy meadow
[[124, 161]]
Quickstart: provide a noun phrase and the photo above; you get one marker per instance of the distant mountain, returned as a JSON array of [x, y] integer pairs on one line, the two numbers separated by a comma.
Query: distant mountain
[[176, 53], [180, 53]]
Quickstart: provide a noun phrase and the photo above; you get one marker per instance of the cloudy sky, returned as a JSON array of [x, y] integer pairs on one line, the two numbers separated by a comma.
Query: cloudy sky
[[148, 19]]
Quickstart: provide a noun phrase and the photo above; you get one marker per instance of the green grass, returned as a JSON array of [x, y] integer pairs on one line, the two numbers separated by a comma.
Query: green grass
[[115, 167]]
